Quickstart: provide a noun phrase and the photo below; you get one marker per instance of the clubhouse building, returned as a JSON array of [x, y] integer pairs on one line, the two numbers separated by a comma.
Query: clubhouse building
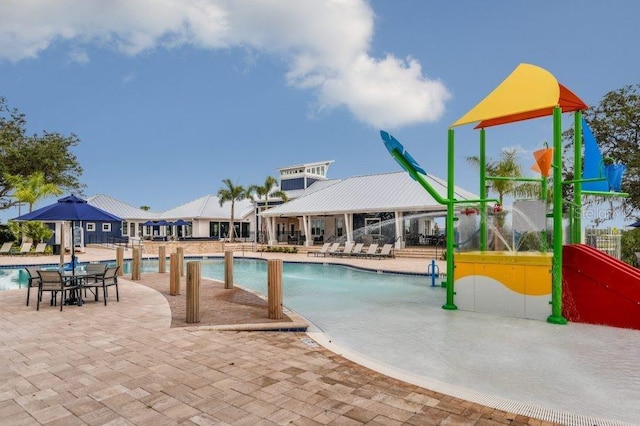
[[379, 208]]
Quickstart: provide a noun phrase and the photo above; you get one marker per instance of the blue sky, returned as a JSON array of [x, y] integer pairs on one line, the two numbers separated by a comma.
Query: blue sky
[[169, 98]]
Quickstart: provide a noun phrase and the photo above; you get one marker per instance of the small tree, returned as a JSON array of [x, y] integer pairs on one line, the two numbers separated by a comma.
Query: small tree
[[630, 246], [37, 231], [232, 193]]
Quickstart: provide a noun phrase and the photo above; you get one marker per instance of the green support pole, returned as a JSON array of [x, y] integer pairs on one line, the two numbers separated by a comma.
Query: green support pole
[[449, 226], [543, 197], [577, 186], [483, 192], [556, 279]]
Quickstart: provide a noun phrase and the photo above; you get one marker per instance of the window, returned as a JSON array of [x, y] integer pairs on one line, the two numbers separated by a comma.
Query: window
[[339, 227], [125, 229], [91, 227], [214, 229], [372, 226], [317, 227], [106, 227]]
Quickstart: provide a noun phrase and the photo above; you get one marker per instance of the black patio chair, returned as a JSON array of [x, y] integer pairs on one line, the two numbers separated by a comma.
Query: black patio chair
[[106, 280], [54, 282], [34, 280]]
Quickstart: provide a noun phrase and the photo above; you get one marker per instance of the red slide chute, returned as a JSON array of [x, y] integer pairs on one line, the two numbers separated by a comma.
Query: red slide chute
[[599, 289]]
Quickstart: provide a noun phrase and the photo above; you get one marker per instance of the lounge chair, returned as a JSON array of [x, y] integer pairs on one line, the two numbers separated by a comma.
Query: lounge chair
[[6, 248], [40, 248], [346, 251], [333, 249], [322, 251], [357, 250], [25, 248], [386, 251], [371, 251]]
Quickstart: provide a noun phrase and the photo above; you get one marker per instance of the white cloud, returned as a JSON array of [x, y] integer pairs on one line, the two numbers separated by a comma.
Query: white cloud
[[128, 78], [79, 56], [325, 45]]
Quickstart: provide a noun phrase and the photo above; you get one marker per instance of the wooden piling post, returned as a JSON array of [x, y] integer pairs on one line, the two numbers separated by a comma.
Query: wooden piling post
[[174, 274], [274, 288], [228, 269], [193, 292], [120, 260], [136, 261], [180, 251], [162, 259]]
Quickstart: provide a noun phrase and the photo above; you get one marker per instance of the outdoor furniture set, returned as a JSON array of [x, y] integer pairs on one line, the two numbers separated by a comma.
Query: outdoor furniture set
[[71, 285]]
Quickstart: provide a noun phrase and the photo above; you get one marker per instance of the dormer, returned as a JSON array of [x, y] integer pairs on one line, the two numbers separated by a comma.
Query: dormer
[[301, 176]]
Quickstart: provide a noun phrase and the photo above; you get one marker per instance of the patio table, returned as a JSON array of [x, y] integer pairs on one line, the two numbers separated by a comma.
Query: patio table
[[76, 280]]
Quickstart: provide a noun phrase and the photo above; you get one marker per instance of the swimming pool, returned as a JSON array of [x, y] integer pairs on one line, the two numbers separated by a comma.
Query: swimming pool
[[560, 373]]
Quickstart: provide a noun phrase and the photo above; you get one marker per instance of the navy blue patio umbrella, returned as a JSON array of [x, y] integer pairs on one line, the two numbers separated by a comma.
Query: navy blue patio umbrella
[[69, 208], [636, 224], [181, 222]]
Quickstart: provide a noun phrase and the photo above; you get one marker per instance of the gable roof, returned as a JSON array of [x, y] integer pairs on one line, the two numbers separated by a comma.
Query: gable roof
[[120, 208], [208, 207], [372, 193]]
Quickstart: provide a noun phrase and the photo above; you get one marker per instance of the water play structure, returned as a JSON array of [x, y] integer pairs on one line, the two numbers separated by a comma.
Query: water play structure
[[567, 281]]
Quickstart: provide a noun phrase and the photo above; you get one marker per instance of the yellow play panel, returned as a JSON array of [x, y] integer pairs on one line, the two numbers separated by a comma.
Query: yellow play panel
[[504, 283]]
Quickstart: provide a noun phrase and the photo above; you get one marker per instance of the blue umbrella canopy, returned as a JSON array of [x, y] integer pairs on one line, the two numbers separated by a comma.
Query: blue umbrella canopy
[[636, 224], [181, 222], [69, 208]]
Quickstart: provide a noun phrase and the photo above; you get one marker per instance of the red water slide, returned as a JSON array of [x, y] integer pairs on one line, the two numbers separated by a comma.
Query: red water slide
[[599, 289]]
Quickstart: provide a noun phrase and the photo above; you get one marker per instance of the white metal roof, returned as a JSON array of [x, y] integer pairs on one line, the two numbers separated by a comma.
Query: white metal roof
[[371, 193], [120, 208], [208, 207], [315, 186]]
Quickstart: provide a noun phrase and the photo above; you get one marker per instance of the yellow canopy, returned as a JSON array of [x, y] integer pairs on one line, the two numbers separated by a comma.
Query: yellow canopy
[[528, 92]]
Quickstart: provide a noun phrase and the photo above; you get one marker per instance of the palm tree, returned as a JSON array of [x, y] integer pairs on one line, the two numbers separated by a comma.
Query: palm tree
[[32, 188], [266, 191], [507, 166], [232, 193]]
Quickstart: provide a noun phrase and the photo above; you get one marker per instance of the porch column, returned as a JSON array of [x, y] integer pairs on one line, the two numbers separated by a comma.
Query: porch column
[[348, 223], [399, 230], [270, 224], [306, 226]]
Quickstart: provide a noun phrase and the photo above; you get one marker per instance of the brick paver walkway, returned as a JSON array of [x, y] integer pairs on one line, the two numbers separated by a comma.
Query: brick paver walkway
[[125, 364]]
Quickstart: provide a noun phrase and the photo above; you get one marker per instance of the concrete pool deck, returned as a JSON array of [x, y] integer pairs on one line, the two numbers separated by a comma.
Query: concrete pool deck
[[126, 365]]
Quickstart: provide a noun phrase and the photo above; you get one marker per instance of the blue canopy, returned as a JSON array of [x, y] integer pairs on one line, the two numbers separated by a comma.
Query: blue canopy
[[69, 208], [636, 224], [181, 222]]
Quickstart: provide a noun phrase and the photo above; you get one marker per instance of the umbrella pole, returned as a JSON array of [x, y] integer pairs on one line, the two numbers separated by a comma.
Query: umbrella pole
[[73, 246], [62, 243]]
